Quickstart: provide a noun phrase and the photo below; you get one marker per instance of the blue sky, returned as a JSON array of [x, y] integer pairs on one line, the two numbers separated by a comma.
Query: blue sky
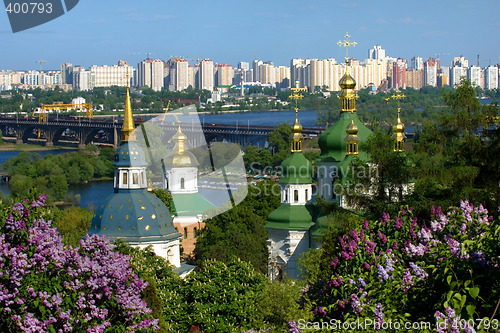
[[102, 32]]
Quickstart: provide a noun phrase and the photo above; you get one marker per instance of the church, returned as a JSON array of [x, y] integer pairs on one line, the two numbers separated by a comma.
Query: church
[[132, 213], [297, 225]]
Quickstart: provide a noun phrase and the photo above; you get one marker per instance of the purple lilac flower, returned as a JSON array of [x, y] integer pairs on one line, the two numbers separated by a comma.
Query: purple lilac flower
[[382, 274], [388, 263], [320, 311], [398, 223], [370, 247], [379, 316], [385, 218], [365, 225], [414, 251], [419, 272], [383, 238], [354, 235], [367, 265], [292, 327], [362, 282], [407, 280], [425, 235], [356, 304]]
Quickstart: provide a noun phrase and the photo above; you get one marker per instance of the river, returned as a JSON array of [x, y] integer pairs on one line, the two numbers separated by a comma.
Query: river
[[93, 193]]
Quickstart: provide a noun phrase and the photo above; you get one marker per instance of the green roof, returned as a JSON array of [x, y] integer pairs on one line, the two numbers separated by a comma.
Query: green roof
[[290, 217], [296, 169], [190, 204], [331, 141]]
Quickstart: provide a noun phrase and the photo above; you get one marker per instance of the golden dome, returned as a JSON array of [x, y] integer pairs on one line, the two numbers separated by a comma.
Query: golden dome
[[352, 129], [297, 127], [347, 81]]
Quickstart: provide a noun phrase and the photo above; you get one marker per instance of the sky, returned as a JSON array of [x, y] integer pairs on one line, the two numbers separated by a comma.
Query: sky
[[103, 32]]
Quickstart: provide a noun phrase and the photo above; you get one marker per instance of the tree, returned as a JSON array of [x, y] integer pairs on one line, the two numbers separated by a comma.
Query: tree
[[381, 183], [279, 142], [222, 296], [239, 232]]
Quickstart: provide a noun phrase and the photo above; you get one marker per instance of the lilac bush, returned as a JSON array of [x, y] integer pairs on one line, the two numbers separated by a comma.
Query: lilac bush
[[45, 287], [399, 269]]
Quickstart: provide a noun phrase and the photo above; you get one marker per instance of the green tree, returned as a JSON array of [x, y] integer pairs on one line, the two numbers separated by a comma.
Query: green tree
[[72, 223], [239, 232], [279, 142], [222, 297]]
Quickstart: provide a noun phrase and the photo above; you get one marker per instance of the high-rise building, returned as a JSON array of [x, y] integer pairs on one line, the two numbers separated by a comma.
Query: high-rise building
[[443, 78], [244, 65], [417, 63], [224, 74], [256, 64], [267, 73], [399, 74], [430, 73], [178, 77], [82, 80], [299, 71], [116, 75], [67, 73], [474, 76], [376, 53], [456, 74], [491, 77], [460, 62], [143, 75], [206, 75], [415, 78], [282, 77]]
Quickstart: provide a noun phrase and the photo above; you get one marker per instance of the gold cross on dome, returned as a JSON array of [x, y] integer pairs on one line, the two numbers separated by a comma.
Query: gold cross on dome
[[295, 94], [398, 95], [347, 44]]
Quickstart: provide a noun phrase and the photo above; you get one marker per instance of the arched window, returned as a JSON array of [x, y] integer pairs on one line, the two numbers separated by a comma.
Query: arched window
[[195, 232], [307, 194], [296, 195], [185, 233], [286, 195], [182, 183]]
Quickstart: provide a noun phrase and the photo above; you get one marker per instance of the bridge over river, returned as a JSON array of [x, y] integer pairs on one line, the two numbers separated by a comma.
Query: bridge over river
[[82, 131]]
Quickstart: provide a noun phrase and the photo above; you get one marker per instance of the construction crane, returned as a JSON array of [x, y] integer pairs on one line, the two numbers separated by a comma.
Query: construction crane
[[40, 62], [42, 113], [166, 111]]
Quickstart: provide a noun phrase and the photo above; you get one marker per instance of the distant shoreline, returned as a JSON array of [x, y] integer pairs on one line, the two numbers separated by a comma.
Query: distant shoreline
[[27, 147]]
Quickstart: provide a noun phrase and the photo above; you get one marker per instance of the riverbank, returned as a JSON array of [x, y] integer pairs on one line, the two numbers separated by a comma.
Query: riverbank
[[29, 147]]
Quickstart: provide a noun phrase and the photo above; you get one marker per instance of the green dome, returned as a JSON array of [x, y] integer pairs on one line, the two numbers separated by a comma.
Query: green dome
[[133, 215], [290, 217], [129, 154], [296, 169], [331, 142]]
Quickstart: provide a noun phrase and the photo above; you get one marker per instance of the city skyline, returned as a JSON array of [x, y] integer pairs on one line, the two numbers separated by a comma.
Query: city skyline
[[230, 32]]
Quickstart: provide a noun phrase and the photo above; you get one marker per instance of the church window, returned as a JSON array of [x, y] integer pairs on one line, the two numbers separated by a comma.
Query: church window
[[182, 183], [125, 178], [296, 195], [185, 233], [286, 195], [135, 178], [307, 194], [195, 232]]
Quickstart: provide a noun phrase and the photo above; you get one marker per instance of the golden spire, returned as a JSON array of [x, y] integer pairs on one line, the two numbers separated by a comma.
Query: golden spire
[[128, 119], [347, 83], [179, 139], [399, 128], [297, 136], [352, 138]]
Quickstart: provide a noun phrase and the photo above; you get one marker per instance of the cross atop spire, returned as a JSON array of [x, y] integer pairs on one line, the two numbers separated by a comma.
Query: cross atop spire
[[296, 96], [347, 44], [398, 95]]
